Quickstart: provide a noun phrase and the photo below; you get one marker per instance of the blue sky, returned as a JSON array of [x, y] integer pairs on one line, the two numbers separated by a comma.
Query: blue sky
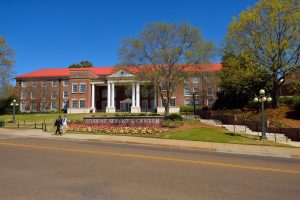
[[57, 33]]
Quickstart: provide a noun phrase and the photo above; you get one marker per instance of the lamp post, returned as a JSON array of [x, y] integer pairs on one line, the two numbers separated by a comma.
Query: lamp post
[[14, 103], [262, 98]]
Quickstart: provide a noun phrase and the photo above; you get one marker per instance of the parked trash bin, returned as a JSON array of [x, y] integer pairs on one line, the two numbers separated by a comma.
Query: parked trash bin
[[1, 124]]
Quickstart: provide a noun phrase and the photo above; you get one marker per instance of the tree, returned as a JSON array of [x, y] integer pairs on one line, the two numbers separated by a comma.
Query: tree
[[269, 32], [6, 66], [239, 80], [164, 54], [82, 64]]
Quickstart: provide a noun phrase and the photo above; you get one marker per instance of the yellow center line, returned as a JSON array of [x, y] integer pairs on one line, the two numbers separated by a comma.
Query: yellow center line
[[149, 157]]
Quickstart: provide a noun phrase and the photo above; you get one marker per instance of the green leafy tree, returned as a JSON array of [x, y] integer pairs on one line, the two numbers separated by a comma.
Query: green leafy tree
[[6, 66], [239, 80], [166, 52], [82, 64], [269, 32]]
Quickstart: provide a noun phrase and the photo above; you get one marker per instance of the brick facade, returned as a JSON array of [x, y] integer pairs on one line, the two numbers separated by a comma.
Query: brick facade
[[72, 89]]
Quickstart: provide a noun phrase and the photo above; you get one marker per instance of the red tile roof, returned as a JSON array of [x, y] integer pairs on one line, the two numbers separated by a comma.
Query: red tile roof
[[65, 72]]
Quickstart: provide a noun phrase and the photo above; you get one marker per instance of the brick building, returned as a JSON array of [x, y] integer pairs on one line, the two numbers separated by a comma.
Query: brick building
[[108, 89]]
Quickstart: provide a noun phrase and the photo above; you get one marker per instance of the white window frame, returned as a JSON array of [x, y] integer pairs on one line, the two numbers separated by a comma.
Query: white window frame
[[23, 94], [172, 98], [80, 91], [52, 93], [210, 102], [55, 85], [187, 102], [34, 83], [24, 83], [187, 80], [23, 106], [209, 92], [196, 80], [73, 84], [53, 102], [44, 83], [64, 96], [66, 81], [81, 100], [74, 100], [187, 92], [32, 95]]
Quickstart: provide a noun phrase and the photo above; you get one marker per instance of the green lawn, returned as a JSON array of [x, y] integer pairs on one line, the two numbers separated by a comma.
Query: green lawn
[[194, 134], [216, 135]]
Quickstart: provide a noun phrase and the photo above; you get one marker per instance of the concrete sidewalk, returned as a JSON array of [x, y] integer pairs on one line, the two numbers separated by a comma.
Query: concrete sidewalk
[[207, 146]]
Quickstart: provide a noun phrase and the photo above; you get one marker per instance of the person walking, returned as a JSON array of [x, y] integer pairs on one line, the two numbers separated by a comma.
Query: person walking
[[64, 124], [58, 124]]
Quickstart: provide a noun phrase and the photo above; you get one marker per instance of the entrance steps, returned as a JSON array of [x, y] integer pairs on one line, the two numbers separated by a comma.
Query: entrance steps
[[276, 137]]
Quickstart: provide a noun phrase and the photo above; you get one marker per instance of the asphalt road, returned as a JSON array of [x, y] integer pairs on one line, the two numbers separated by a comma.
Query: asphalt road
[[33, 168]]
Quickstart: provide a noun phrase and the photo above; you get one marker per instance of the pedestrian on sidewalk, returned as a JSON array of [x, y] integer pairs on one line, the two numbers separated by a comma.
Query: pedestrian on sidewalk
[[64, 124], [58, 124]]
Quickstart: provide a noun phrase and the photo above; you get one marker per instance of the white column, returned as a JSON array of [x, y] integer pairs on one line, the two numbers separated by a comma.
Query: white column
[[93, 98], [155, 96], [137, 95], [112, 95], [133, 95], [108, 95]]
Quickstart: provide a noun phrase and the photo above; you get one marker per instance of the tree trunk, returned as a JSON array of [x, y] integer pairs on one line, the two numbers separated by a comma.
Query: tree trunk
[[167, 109], [275, 96]]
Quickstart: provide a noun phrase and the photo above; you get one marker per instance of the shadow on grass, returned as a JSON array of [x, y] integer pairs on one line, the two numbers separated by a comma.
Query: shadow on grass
[[243, 136]]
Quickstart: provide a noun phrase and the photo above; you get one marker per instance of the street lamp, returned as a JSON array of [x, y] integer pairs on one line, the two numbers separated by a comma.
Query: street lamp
[[262, 98], [14, 103]]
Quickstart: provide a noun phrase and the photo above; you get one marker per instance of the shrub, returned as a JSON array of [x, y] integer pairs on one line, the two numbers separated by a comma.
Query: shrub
[[188, 109], [289, 100], [174, 117], [172, 124]]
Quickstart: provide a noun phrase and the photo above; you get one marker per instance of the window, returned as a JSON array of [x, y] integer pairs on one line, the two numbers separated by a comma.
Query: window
[[196, 91], [209, 92], [23, 95], [66, 82], [172, 102], [74, 104], [44, 83], [23, 105], [32, 107], [187, 92], [187, 102], [81, 103], [33, 95], [207, 79], [53, 94], [187, 80], [24, 84], [82, 88], [197, 102], [34, 83], [210, 102], [196, 80], [66, 94], [65, 105], [43, 106], [44, 93], [74, 88], [53, 105], [54, 83]]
